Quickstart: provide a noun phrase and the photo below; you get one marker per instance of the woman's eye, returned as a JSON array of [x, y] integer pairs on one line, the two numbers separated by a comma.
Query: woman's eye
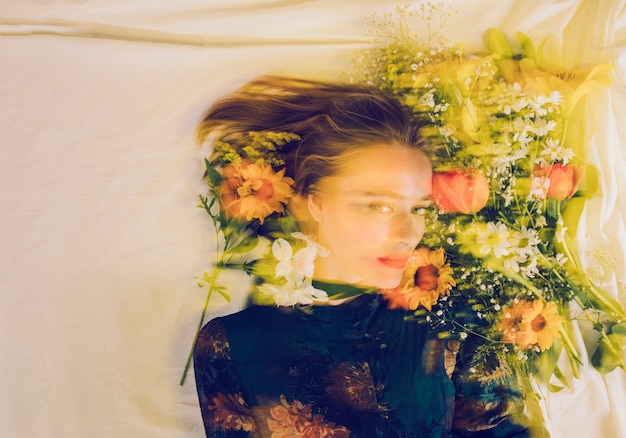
[[380, 208], [419, 211]]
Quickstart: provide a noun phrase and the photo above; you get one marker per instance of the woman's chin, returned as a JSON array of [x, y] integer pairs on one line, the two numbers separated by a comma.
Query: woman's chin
[[386, 282]]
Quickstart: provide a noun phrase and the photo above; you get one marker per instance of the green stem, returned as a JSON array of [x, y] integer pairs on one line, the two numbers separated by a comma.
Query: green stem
[[521, 280], [219, 260], [212, 281], [572, 353]]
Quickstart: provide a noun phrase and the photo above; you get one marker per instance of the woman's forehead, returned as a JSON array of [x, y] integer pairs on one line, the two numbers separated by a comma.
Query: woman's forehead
[[386, 160], [409, 178]]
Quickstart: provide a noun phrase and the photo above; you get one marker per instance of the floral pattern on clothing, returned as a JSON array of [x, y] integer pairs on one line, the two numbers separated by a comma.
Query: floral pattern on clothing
[[231, 413], [295, 420], [352, 385], [357, 370]]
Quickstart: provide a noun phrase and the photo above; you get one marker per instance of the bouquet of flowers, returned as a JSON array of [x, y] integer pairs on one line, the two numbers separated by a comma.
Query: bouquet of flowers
[[498, 265], [499, 262]]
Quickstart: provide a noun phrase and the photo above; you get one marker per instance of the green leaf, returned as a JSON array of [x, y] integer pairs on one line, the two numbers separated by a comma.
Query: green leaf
[[528, 48], [572, 213], [498, 44], [604, 358], [547, 362], [223, 293], [213, 176], [552, 208], [610, 353], [245, 245], [555, 388], [619, 329], [289, 225], [218, 220]]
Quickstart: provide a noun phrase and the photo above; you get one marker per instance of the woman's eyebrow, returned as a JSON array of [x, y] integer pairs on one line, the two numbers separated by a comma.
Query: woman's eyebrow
[[375, 193], [386, 194]]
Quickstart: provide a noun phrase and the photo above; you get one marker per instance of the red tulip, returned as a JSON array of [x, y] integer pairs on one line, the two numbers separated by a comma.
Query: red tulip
[[460, 191], [564, 179]]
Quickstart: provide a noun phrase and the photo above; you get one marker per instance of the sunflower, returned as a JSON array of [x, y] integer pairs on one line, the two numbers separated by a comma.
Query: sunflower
[[427, 277], [541, 324], [530, 323], [255, 190], [510, 321]]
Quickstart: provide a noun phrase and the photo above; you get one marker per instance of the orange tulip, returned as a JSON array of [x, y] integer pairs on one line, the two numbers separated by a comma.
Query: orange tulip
[[460, 191], [564, 179]]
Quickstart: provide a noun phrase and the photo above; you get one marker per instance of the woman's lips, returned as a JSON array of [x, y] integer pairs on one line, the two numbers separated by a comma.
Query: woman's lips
[[394, 262]]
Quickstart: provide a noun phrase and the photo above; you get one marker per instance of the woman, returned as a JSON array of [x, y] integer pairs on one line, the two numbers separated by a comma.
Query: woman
[[343, 364]]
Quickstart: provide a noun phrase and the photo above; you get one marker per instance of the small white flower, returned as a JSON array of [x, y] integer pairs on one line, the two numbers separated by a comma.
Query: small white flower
[[447, 130], [538, 108], [555, 98], [538, 188], [427, 100], [541, 222], [516, 106], [530, 270], [521, 125], [543, 127], [554, 151], [512, 262], [560, 230], [525, 241], [507, 196], [494, 239]]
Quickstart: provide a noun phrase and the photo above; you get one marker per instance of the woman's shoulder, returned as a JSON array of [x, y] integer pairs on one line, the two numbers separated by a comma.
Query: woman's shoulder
[[215, 336], [249, 319]]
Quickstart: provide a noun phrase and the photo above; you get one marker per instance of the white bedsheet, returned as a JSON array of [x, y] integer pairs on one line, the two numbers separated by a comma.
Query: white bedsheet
[[99, 175]]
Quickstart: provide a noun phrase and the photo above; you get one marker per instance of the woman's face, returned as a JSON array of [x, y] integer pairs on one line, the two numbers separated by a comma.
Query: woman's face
[[371, 216]]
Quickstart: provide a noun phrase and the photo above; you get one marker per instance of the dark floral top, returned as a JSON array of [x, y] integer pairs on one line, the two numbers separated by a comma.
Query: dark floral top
[[357, 369]]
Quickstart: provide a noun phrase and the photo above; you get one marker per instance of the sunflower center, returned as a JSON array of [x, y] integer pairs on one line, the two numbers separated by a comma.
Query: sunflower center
[[538, 323], [266, 191], [427, 277], [261, 189]]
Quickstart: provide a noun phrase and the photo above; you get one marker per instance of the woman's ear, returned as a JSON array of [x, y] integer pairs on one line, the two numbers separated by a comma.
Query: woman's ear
[[315, 204], [299, 209]]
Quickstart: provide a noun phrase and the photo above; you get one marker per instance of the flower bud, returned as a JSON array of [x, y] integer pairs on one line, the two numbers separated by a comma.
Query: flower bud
[[564, 179], [459, 191]]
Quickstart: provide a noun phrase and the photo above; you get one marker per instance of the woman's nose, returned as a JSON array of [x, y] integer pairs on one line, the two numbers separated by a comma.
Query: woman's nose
[[407, 229]]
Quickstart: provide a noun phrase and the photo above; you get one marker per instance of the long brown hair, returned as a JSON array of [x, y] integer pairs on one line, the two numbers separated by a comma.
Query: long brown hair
[[333, 121]]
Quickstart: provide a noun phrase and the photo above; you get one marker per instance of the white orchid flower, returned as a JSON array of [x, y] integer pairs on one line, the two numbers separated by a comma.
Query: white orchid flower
[[295, 267], [287, 295]]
